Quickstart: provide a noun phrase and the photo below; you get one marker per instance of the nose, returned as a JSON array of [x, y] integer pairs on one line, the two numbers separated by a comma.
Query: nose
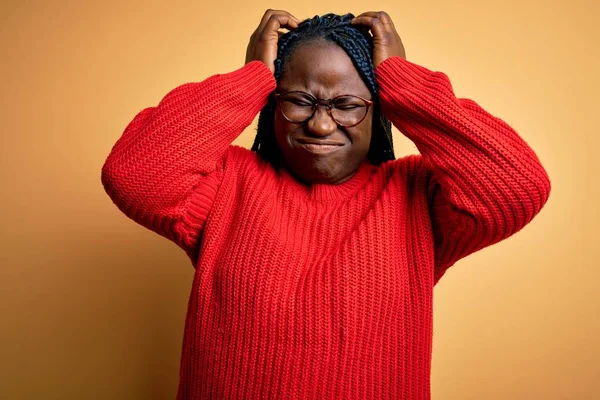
[[321, 123]]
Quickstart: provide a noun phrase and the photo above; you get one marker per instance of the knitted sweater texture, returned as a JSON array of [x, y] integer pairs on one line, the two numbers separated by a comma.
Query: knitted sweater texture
[[319, 291]]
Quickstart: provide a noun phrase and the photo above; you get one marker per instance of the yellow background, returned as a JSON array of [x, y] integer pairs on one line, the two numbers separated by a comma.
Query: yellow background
[[93, 305]]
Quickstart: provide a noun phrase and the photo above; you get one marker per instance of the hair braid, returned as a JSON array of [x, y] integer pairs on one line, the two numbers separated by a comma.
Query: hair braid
[[359, 47]]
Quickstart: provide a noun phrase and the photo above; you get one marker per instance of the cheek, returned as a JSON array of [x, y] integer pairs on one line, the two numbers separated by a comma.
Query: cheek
[[282, 129], [361, 136]]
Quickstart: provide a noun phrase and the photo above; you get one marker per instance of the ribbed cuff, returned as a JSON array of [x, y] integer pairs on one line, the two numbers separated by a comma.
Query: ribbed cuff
[[397, 75], [254, 81], [388, 72]]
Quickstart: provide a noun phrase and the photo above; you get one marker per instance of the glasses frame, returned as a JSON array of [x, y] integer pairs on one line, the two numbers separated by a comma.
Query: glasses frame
[[328, 103]]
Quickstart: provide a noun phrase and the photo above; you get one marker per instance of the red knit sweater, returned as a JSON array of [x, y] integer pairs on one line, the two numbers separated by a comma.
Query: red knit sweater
[[322, 291]]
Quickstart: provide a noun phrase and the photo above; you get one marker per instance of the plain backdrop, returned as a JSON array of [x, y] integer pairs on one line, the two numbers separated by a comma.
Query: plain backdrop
[[93, 305]]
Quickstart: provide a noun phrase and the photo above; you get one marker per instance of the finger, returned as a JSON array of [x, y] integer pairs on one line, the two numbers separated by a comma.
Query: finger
[[277, 22], [376, 25], [270, 13], [294, 18], [382, 16]]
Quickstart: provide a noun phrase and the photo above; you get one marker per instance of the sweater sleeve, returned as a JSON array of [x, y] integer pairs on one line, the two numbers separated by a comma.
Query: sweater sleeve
[[485, 184], [165, 169]]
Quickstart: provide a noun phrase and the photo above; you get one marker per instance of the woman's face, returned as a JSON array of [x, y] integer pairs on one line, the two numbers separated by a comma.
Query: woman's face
[[319, 150]]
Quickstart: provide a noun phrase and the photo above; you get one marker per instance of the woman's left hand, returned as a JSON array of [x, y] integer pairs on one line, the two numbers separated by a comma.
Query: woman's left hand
[[386, 41]]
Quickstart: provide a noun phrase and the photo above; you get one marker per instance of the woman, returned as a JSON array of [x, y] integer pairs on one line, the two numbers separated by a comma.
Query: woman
[[316, 254]]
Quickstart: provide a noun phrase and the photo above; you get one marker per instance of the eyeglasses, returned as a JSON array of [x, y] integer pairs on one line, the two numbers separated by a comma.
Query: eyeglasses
[[346, 110]]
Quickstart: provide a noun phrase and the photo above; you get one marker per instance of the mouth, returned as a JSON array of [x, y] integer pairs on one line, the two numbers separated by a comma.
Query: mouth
[[319, 146]]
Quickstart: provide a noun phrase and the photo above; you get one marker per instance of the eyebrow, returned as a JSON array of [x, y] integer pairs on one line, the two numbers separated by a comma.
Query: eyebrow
[[282, 90]]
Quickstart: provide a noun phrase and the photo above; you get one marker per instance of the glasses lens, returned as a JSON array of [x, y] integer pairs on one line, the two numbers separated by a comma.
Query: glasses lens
[[348, 110], [296, 107]]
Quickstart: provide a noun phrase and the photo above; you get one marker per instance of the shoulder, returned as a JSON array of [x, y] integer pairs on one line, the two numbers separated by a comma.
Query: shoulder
[[242, 162], [410, 174], [409, 167]]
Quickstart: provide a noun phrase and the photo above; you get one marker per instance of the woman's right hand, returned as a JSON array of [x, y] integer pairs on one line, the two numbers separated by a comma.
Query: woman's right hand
[[263, 42]]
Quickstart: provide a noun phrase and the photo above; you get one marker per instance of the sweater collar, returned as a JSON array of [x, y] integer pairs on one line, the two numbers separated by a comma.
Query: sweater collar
[[330, 192]]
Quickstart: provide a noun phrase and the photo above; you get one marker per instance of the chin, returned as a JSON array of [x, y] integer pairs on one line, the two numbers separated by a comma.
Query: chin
[[320, 169], [321, 174]]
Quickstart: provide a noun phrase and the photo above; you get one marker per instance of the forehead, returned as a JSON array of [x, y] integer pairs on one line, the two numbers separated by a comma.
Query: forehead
[[323, 69]]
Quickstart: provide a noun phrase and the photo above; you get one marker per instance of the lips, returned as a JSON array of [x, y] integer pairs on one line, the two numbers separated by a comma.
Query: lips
[[319, 146]]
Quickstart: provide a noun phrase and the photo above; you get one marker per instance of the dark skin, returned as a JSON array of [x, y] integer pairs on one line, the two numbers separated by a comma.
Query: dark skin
[[319, 150]]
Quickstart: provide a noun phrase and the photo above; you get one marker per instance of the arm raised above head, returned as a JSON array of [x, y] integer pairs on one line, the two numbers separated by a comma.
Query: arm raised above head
[[486, 182], [164, 171]]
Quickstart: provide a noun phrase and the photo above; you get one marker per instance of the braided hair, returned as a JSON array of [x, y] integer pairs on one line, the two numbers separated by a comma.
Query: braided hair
[[359, 47]]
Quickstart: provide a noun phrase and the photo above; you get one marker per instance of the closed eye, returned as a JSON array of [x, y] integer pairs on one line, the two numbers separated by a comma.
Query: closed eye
[[301, 103], [347, 106]]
